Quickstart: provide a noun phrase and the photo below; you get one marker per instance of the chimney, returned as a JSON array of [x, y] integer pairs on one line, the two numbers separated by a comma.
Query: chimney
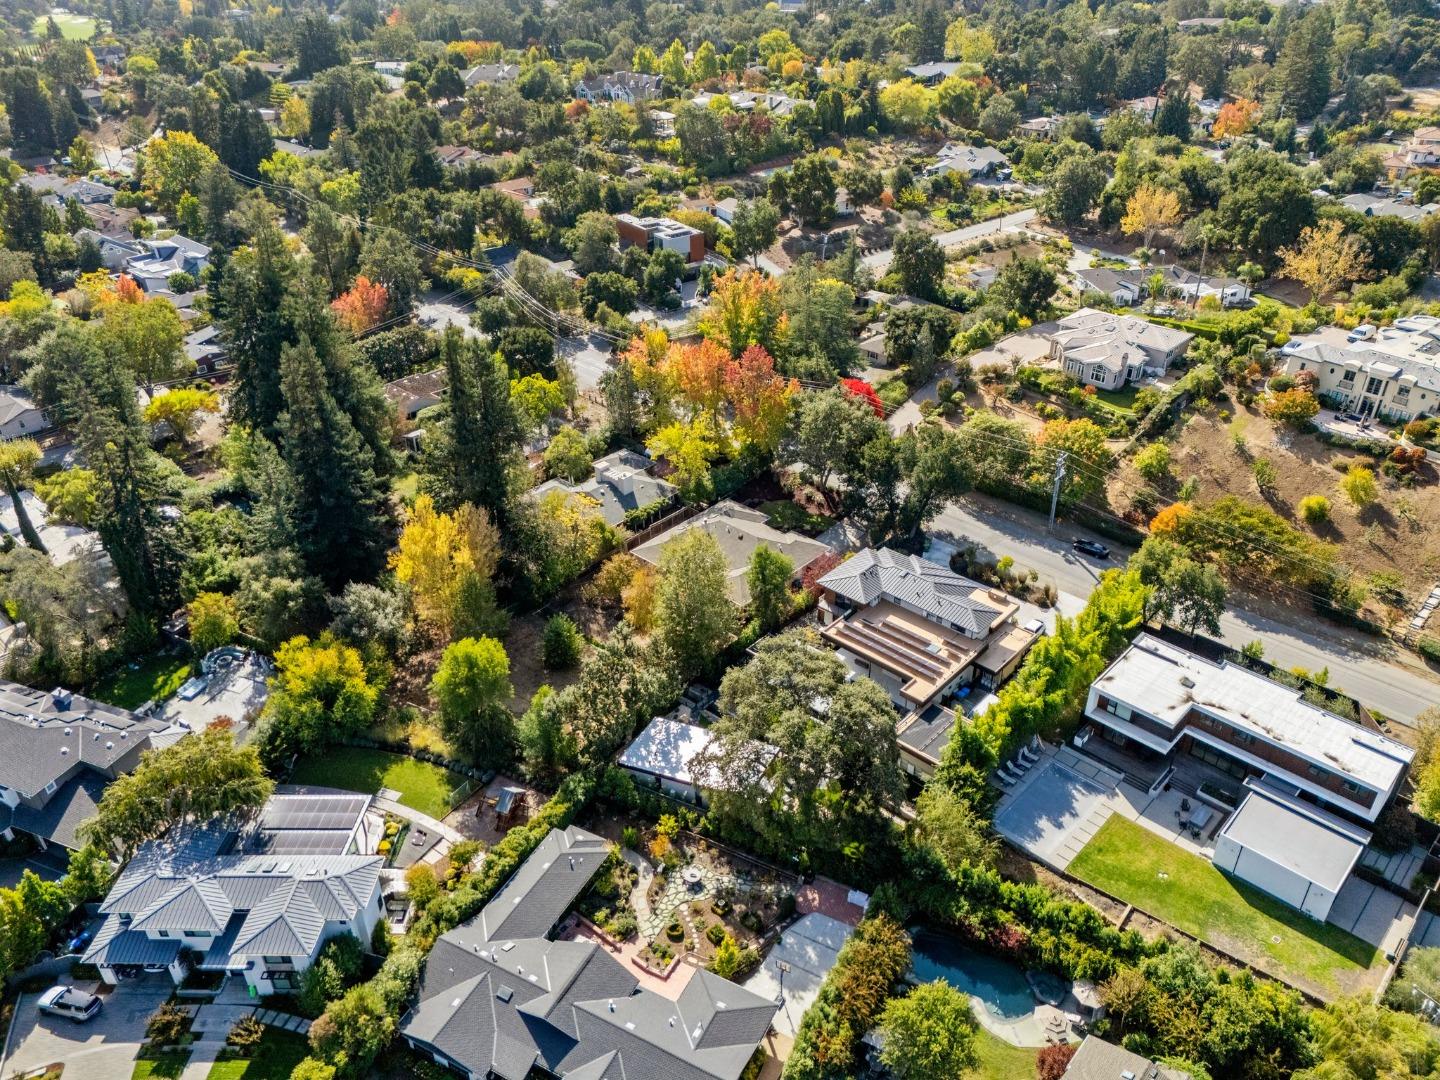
[[61, 698]]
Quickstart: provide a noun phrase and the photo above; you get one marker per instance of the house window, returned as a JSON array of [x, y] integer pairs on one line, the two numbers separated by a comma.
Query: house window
[[197, 933], [1372, 385], [163, 933], [50, 787], [1348, 377], [1351, 788], [1316, 773], [283, 980], [1223, 762], [1243, 738], [276, 961], [1118, 709]]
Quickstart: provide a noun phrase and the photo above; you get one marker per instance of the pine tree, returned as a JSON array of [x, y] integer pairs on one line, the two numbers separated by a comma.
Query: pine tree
[[249, 297], [470, 455], [339, 503]]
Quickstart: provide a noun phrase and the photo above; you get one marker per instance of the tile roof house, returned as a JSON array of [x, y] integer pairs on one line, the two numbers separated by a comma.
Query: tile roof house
[[622, 482], [1102, 349], [58, 751], [257, 898], [107, 220], [56, 191], [500, 999], [1100, 1060], [739, 530], [924, 633]]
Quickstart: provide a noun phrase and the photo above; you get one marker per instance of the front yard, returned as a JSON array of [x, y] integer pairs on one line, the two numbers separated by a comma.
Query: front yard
[[275, 1058], [422, 786], [1188, 893]]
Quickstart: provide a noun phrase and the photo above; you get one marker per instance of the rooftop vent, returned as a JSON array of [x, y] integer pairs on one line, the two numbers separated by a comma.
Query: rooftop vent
[[1187, 682], [109, 745], [611, 1004], [505, 993], [64, 750]]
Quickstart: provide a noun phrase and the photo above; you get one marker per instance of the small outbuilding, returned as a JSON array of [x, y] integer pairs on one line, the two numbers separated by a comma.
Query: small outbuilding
[[1294, 852]]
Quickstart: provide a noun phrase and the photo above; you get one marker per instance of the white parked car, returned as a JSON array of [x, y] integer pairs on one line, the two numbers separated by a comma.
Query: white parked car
[[70, 1003]]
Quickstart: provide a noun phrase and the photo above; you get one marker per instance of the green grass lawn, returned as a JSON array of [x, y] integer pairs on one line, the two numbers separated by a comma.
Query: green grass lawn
[[164, 1067], [1001, 1061], [72, 27], [406, 487], [422, 786], [1122, 399], [275, 1058], [155, 678], [1187, 892]]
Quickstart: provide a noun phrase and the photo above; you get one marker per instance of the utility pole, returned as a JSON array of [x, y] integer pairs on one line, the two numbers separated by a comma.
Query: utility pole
[[1055, 490]]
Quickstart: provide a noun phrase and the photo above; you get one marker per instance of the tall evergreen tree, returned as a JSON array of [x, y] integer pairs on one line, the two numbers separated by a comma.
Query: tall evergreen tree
[[340, 512], [470, 455]]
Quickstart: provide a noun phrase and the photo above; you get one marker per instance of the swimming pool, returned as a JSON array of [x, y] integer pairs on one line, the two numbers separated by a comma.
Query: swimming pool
[[999, 985]]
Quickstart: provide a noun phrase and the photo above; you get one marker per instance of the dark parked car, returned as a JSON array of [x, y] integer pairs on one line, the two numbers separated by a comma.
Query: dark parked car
[[1090, 547], [68, 1002]]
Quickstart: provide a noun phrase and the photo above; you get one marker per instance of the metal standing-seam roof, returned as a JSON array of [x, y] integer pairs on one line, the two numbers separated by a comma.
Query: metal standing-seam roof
[[939, 593]]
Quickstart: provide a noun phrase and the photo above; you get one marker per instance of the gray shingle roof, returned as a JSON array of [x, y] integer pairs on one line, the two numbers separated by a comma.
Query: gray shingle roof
[[1100, 1060], [73, 803], [501, 1005], [938, 593]]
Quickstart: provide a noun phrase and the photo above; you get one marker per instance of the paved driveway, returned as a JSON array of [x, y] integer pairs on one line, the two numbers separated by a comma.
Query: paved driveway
[[101, 1049]]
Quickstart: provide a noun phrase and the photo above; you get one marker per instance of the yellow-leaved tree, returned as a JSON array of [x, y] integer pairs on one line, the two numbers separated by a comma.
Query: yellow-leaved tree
[[1150, 210], [448, 561], [1326, 259]]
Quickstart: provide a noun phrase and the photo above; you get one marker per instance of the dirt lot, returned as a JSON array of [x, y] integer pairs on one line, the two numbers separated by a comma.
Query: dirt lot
[[1400, 533]]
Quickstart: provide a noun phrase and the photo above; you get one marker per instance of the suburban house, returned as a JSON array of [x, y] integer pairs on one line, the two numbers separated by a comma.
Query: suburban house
[[1108, 351], [1100, 1060], [748, 100], [1375, 206], [1420, 151], [1129, 286], [626, 86], [924, 633], [116, 248], [205, 350], [1308, 785], [109, 57], [256, 897], [720, 209], [932, 74], [414, 393], [107, 220], [1395, 375], [158, 259], [20, 416], [58, 752], [621, 483], [664, 756], [1041, 127], [739, 530], [457, 157], [500, 998], [56, 191], [489, 75], [654, 233], [973, 161]]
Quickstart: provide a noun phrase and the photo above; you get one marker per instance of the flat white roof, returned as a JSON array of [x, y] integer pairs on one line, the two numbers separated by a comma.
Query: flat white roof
[[666, 748], [1165, 682], [1313, 846]]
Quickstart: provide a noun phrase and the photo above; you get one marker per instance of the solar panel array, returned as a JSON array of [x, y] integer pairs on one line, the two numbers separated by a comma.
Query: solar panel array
[[302, 842], [313, 812]]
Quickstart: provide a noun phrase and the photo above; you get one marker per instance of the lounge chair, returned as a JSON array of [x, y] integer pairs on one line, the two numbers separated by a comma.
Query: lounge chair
[[1020, 765], [1004, 772], [1006, 780], [1027, 756]]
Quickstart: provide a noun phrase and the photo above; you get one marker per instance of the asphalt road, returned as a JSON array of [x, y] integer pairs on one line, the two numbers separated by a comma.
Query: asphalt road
[[1000, 529]]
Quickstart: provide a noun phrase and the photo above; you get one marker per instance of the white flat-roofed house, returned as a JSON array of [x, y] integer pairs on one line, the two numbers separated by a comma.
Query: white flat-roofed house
[[1395, 375], [1108, 351], [1162, 703], [667, 755]]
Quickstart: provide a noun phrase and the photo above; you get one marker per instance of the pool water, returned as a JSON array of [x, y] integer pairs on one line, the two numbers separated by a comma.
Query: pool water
[[1000, 985]]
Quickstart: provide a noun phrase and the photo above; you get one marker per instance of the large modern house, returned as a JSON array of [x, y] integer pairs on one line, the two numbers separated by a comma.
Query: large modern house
[[501, 999], [654, 233], [1108, 351], [1306, 785], [1395, 375], [925, 634], [257, 898], [58, 752]]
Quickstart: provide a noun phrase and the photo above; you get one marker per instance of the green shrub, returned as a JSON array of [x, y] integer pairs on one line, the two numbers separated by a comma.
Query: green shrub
[[1315, 509], [562, 643], [715, 933]]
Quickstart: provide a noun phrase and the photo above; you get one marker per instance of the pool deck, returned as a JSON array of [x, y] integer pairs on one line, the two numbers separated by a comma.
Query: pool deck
[[1028, 1032]]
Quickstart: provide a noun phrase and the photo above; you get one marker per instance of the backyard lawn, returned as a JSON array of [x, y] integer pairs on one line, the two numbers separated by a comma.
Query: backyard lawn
[[1001, 1061], [154, 678], [72, 27], [422, 786], [790, 515], [275, 1058], [1184, 890], [1122, 400]]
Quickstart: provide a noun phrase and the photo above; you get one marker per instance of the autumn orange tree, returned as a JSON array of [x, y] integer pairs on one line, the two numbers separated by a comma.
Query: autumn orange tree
[[647, 358], [760, 398], [1235, 118], [360, 308], [744, 310], [698, 372]]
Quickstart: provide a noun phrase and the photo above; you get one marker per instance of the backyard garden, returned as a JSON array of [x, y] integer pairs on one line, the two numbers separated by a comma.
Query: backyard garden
[[151, 678]]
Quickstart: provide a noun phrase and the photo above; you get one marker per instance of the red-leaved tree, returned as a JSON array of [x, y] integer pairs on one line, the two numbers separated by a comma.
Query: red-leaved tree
[[362, 307], [866, 393]]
